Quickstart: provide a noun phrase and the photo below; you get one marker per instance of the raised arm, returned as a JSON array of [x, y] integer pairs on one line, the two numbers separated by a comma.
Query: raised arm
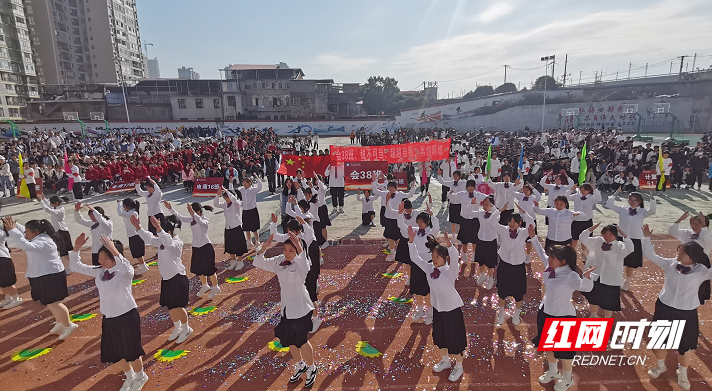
[[649, 252], [149, 238], [80, 267], [611, 204], [81, 220], [436, 225], [652, 208], [121, 212], [219, 202], [539, 251], [185, 219], [416, 258], [49, 209], [141, 192]]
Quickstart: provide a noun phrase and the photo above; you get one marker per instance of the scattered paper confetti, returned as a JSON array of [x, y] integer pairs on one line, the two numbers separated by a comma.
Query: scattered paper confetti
[[400, 300], [136, 282], [365, 349], [277, 346], [81, 317], [232, 280], [203, 310], [386, 251], [154, 263], [29, 354], [169, 355], [250, 258], [391, 275]]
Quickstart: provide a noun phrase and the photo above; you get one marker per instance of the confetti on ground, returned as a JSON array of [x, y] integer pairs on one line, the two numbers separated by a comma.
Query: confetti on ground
[[202, 310], [232, 280], [365, 349], [277, 346], [136, 282], [81, 317], [154, 263], [400, 300], [391, 275], [29, 354], [250, 258], [169, 355], [386, 252]]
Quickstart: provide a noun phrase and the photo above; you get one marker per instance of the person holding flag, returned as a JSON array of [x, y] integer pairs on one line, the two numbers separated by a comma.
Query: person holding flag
[[663, 169], [583, 166], [23, 188]]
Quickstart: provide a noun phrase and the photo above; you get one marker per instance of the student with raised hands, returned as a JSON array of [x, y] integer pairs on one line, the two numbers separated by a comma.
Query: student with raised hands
[[292, 268], [393, 198], [98, 223], [250, 214], [126, 208], [698, 232], [560, 218], [54, 207], [121, 322], [455, 184], [685, 276], [556, 189], [449, 333], [174, 282], [324, 219], [584, 200], [153, 197], [368, 212], [235, 242], [525, 200], [202, 259], [486, 250], [8, 276], [469, 227], [504, 195]]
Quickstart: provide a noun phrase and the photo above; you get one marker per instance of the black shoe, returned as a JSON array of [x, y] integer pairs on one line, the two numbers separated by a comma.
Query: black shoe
[[311, 378], [299, 371]]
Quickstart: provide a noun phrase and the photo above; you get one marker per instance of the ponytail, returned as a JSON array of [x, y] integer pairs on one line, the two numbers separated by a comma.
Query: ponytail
[[45, 227], [436, 248], [132, 204]]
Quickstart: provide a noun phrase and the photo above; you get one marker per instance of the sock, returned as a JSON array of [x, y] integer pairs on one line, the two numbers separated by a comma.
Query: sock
[[517, 311], [661, 363], [567, 376], [500, 308], [446, 358], [458, 364], [553, 368], [312, 367], [185, 325], [682, 369], [140, 375], [176, 324], [130, 374]]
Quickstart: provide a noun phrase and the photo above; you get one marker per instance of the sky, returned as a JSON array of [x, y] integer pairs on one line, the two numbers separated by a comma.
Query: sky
[[459, 44]]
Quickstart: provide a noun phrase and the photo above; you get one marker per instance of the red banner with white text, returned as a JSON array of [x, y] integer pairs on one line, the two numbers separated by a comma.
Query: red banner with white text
[[649, 180], [360, 175], [425, 151], [121, 187], [206, 187]]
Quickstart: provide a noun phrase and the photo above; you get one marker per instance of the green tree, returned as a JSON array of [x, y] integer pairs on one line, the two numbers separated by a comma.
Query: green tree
[[506, 87], [480, 91], [550, 83], [381, 94]]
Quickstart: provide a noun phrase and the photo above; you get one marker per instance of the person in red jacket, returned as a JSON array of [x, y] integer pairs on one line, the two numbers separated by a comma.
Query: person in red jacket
[[127, 175], [155, 171], [140, 172], [92, 180]]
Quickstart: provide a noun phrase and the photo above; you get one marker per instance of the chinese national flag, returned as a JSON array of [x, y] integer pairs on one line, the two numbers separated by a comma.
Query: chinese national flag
[[308, 164]]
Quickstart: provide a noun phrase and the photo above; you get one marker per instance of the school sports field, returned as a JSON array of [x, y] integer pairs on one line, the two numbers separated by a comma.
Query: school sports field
[[230, 346]]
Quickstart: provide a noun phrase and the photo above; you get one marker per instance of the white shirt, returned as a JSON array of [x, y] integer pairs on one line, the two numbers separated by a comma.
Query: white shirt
[[463, 198], [586, 206], [487, 232], [557, 295], [448, 167], [632, 225], [455, 187], [115, 295], [395, 200], [130, 229], [56, 215], [336, 176], [667, 166], [560, 222], [153, 200], [29, 176], [294, 298], [504, 193], [610, 263], [704, 238], [367, 202], [233, 210], [443, 295], [307, 235], [249, 196], [101, 227], [563, 190], [680, 291], [479, 178], [404, 222], [512, 250], [311, 215], [170, 250], [199, 226], [4, 250], [41, 251], [528, 203], [320, 190], [495, 169]]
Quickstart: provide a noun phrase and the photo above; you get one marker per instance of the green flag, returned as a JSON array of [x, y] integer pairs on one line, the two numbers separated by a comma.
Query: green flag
[[583, 167], [489, 158]]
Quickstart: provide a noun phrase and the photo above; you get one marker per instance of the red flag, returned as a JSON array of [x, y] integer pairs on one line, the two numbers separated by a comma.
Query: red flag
[[308, 164]]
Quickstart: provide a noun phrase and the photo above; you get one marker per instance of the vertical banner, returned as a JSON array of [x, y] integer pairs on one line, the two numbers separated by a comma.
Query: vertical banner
[[360, 175], [401, 180], [38, 189], [206, 187]]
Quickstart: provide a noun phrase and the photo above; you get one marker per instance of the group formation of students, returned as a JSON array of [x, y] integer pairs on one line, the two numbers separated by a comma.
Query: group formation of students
[[496, 232]]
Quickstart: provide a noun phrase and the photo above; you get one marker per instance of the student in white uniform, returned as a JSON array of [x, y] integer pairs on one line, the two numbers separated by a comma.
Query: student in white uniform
[[56, 216], [469, 227], [99, 224], [486, 250], [477, 175], [29, 178], [449, 333], [698, 232], [504, 195], [368, 212], [584, 200], [456, 185], [324, 220], [393, 198], [153, 196], [174, 283], [8, 276], [250, 214], [561, 281], [48, 281], [525, 200], [292, 268], [560, 219], [558, 188], [202, 259], [667, 167], [512, 273], [631, 220], [679, 299], [126, 208], [121, 322], [607, 254], [235, 242]]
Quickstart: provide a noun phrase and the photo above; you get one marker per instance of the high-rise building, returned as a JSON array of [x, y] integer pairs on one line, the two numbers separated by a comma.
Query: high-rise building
[[86, 41], [154, 72], [188, 74], [17, 67]]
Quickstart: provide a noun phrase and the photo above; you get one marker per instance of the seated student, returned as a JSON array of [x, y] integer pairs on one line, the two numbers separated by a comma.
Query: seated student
[[631, 183]]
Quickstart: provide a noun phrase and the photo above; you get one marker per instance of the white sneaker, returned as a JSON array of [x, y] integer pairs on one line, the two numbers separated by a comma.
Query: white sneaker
[[140, 269], [516, 320], [321, 261], [127, 384], [14, 303], [239, 265], [656, 371], [682, 380], [203, 290], [419, 314], [626, 285], [501, 317], [299, 370], [391, 257], [490, 283], [428, 318], [214, 291], [176, 332], [481, 279], [138, 383], [250, 245], [333, 211], [316, 322], [325, 245], [548, 377], [341, 209], [311, 377], [185, 334], [442, 365], [57, 329], [455, 374], [7, 300], [232, 264], [563, 385], [68, 331], [528, 259]]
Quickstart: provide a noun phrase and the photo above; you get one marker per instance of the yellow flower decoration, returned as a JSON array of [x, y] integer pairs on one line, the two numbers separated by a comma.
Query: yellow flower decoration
[[81, 317], [365, 349], [202, 310], [29, 354], [169, 355], [277, 346], [232, 280]]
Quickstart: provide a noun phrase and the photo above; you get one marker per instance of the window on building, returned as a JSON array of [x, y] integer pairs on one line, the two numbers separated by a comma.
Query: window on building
[[9, 88], [273, 85], [264, 85], [309, 103], [2, 112], [254, 85], [296, 101], [216, 103], [198, 103], [14, 112], [280, 85], [181, 104], [231, 101]]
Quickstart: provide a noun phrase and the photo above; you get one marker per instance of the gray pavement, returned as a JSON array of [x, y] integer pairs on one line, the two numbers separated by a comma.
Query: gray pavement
[[346, 224]]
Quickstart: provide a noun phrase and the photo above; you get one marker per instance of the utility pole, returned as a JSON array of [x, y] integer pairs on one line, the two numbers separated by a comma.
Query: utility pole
[[682, 61], [616, 75], [694, 59], [566, 62], [595, 78], [505, 73], [580, 74], [670, 68], [553, 62], [630, 65], [646, 69]]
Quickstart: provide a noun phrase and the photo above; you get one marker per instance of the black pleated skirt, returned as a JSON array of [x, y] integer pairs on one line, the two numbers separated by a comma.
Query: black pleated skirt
[[418, 281], [454, 213], [469, 228], [202, 260], [65, 245], [49, 288], [403, 251], [366, 218], [8, 277], [486, 253], [692, 325], [320, 239], [579, 226], [540, 320], [235, 242], [315, 269], [293, 332], [634, 259], [174, 292], [324, 216], [551, 243], [251, 220], [608, 297], [449, 330], [511, 281], [121, 338], [137, 247], [383, 216], [392, 231]]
